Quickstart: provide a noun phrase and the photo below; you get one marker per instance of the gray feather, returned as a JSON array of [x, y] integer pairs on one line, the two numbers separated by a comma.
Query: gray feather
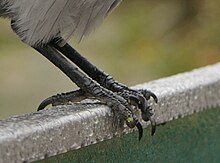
[[38, 21]]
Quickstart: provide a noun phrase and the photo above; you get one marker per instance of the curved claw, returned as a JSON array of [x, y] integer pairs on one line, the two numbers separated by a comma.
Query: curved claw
[[154, 97], [153, 126], [140, 129], [139, 100], [132, 122], [63, 98], [45, 103], [149, 94]]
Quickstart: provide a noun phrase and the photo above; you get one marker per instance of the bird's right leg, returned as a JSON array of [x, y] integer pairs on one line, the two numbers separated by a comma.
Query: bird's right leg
[[88, 86], [138, 98], [98, 75]]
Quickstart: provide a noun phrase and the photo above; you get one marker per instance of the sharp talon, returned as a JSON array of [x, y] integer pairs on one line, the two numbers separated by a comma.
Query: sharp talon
[[63, 98], [132, 122], [153, 126], [149, 94], [154, 97], [140, 129], [140, 101], [45, 103]]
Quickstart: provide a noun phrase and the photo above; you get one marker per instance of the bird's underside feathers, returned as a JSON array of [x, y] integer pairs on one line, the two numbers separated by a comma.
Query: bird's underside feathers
[[38, 21]]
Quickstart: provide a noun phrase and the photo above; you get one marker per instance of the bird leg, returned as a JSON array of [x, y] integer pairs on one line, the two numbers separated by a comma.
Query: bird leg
[[137, 98], [95, 73], [91, 87]]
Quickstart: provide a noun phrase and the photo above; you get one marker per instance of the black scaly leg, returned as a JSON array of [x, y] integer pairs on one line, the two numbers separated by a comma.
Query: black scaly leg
[[89, 86], [95, 73], [138, 98]]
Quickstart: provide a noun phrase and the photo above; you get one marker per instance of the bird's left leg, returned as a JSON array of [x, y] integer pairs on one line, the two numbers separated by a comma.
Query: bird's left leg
[[138, 98]]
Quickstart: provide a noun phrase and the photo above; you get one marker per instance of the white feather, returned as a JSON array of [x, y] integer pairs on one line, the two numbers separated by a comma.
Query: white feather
[[38, 21]]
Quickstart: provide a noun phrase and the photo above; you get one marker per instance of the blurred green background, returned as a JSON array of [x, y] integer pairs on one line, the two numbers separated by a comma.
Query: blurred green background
[[142, 40]]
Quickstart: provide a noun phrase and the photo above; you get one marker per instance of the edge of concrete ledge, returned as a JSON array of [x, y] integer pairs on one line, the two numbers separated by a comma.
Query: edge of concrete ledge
[[34, 136]]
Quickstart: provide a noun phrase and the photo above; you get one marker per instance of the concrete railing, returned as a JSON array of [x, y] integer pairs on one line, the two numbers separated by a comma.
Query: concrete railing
[[34, 136]]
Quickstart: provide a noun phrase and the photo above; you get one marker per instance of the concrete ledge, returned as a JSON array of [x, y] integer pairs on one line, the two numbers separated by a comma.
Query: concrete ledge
[[35, 136]]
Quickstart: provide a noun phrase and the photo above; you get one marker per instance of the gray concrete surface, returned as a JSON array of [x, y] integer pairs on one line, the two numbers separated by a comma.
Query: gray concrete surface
[[47, 133]]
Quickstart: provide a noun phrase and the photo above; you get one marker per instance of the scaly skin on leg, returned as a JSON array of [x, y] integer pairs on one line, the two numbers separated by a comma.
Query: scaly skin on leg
[[138, 98], [89, 86], [135, 97], [98, 75]]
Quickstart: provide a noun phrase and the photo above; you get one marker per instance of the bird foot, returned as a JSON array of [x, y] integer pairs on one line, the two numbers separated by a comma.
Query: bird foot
[[139, 99], [121, 102]]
